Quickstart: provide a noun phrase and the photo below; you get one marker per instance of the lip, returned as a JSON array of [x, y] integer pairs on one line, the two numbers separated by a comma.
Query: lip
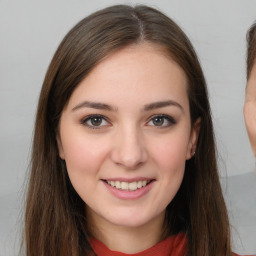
[[129, 195], [129, 179]]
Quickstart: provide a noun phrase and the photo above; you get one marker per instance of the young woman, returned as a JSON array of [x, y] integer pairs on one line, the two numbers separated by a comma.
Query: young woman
[[124, 157], [250, 100]]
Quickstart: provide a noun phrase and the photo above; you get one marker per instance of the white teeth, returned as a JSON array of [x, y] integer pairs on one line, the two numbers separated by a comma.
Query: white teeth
[[132, 186], [124, 185], [117, 184], [139, 184]]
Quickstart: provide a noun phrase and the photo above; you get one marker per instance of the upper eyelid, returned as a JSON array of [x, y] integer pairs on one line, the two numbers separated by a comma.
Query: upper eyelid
[[88, 117], [163, 116], [94, 115], [171, 121]]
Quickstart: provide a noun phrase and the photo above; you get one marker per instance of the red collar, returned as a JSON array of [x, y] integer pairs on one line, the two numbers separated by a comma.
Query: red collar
[[171, 246]]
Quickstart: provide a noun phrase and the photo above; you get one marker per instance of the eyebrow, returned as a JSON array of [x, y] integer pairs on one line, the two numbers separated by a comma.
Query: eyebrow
[[162, 104], [148, 107], [96, 105]]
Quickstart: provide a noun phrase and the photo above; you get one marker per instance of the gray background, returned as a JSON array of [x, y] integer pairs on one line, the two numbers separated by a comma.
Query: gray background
[[30, 32]]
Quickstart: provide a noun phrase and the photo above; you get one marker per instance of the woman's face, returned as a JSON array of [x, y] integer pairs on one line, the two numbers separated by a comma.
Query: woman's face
[[250, 108], [126, 134]]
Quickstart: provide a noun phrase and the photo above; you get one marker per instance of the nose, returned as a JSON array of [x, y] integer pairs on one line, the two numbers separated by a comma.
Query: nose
[[129, 149]]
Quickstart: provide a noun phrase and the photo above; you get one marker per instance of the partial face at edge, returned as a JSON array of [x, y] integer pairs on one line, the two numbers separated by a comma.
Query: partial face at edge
[[250, 108], [128, 124]]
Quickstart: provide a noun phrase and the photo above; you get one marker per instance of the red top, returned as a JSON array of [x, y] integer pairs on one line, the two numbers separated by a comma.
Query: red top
[[171, 246]]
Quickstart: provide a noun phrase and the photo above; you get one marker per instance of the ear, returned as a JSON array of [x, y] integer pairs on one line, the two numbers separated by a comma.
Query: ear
[[60, 147], [193, 138]]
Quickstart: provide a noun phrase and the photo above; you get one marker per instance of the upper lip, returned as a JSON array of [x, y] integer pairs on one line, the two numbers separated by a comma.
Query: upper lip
[[129, 179]]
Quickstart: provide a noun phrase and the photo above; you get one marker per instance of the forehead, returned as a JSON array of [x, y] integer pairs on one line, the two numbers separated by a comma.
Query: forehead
[[144, 72]]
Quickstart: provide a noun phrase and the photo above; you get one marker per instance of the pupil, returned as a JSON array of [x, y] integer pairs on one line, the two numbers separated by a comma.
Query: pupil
[[158, 121], [96, 121]]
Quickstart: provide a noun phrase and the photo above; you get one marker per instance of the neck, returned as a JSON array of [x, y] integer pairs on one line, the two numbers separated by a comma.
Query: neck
[[128, 239]]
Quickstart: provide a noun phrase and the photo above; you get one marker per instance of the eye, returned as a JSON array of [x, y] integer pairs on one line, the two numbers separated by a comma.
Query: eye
[[95, 121], [161, 121]]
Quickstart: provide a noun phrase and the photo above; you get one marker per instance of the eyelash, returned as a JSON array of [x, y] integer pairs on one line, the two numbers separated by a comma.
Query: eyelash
[[90, 118], [170, 121]]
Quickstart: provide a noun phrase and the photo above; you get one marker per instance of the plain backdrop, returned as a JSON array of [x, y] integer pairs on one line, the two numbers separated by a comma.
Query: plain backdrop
[[30, 32]]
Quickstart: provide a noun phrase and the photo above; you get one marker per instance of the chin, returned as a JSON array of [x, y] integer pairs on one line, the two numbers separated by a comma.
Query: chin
[[129, 222], [133, 219]]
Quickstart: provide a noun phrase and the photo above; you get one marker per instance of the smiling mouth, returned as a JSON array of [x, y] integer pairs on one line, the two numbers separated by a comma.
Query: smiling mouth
[[128, 186]]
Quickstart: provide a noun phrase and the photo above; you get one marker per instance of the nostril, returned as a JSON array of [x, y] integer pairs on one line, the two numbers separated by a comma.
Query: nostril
[[128, 160]]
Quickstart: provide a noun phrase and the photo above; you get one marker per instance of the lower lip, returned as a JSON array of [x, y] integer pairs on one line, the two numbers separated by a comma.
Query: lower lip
[[128, 194]]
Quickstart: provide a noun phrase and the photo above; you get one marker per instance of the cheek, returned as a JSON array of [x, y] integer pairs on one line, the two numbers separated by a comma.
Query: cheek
[[169, 157], [83, 155], [170, 154]]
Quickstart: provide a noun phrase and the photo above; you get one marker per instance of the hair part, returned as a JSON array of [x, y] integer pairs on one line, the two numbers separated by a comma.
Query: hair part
[[55, 221]]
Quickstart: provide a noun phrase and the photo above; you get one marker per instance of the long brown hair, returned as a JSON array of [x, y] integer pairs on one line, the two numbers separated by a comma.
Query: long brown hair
[[55, 223], [251, 48]]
